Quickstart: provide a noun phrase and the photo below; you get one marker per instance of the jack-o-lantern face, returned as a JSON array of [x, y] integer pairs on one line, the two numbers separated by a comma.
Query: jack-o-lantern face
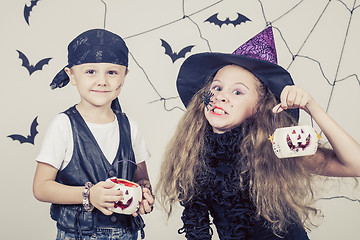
[[132, 194], [295, 141], [298, 140]]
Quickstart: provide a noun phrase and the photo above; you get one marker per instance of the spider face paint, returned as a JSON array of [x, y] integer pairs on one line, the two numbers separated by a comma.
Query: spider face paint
[[206, 99]]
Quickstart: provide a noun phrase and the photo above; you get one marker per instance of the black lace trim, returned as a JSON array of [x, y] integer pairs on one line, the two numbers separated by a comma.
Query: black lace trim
[[218, 185], [223, 148], [196, 220]]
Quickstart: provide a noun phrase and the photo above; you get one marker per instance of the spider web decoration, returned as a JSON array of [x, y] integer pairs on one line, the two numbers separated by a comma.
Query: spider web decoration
[[316, 41]]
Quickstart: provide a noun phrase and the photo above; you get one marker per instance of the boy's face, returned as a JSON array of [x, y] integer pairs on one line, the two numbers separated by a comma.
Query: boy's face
[[98, 83]]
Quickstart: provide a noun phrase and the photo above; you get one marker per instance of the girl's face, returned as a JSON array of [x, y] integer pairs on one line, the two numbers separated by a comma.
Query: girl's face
[[235, 97]]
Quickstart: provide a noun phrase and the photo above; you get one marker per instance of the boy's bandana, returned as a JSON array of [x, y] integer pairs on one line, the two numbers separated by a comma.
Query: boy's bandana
[[93, 46]]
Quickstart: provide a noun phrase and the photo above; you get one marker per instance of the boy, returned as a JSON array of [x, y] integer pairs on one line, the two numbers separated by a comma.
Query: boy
[[86, 144]]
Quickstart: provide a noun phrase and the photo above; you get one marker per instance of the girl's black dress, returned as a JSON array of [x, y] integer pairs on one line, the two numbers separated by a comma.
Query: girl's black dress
[[219, 193]]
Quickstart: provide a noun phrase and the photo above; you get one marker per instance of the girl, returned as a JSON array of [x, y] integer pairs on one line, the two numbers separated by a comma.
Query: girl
[[220, 160]]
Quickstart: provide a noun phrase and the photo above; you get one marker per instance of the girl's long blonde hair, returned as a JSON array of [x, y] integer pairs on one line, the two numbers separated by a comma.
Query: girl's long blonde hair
[[281, 189]]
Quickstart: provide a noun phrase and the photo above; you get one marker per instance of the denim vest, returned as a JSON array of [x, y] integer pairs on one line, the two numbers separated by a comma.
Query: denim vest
[[88, 164]]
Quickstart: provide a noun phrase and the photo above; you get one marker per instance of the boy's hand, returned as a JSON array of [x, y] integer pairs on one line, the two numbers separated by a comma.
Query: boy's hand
[[293, 97], [103, 197], [146, 205]]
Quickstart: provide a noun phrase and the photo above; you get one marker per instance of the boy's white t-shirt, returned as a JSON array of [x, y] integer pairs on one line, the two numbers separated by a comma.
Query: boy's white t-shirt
[[57, 147]]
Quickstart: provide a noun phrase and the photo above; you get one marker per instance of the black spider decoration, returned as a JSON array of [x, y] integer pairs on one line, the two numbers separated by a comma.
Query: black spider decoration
[[206, 99]]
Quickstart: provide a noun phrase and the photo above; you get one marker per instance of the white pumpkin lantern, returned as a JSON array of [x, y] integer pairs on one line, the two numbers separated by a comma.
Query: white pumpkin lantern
[[132, 193], [294, 141]]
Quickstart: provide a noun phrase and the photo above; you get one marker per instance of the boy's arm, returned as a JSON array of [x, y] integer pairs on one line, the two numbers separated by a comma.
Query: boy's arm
[[46, 189], [142, 178], [141, 175]]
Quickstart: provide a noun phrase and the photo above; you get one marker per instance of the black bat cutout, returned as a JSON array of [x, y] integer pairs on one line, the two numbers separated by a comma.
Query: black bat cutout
[[32, 68], [214, 19], [28, 9], [30, 138], [173, 55]]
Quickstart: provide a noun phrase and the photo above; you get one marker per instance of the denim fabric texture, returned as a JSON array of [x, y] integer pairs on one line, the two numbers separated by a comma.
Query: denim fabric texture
[[101, 234]]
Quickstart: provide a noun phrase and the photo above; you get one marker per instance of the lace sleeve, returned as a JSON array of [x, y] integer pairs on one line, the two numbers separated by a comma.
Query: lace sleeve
[[196, 220]]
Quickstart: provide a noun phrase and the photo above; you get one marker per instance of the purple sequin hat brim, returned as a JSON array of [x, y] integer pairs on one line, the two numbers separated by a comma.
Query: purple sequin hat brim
[[197, 70]]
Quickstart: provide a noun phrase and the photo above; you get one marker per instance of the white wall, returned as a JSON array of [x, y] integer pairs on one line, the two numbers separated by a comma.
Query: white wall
[[323, 33]]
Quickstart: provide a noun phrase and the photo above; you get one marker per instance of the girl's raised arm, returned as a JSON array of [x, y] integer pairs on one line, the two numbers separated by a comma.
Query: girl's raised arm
[[344, 159]]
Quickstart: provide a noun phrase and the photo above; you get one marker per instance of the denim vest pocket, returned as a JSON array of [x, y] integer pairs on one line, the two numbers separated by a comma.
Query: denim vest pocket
[[74, 218]]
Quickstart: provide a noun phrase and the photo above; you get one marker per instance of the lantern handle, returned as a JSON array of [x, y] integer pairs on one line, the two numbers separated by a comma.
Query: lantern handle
[[119, 161], [308, 111]]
